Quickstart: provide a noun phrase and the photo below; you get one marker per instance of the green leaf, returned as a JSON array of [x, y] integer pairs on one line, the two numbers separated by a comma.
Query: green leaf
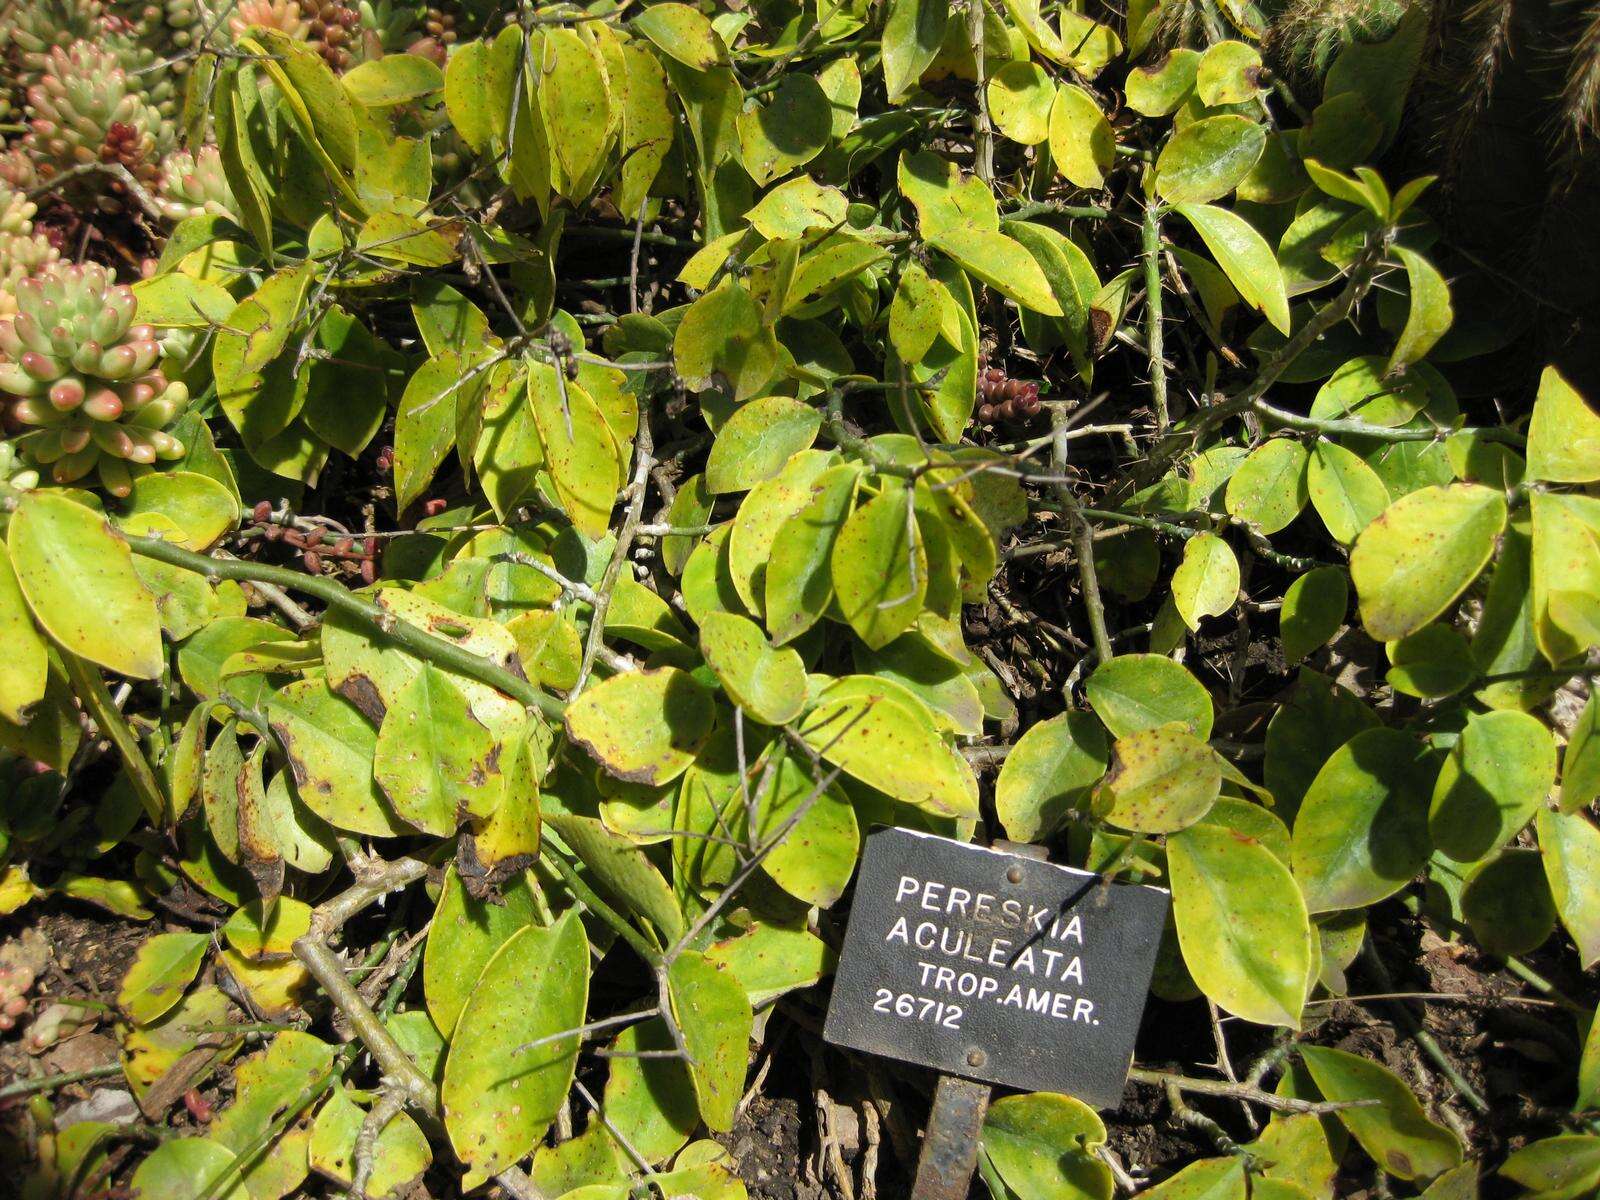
[[1433, 662], [913, 31], [814, 860], [1002, 263], [1396, 1133], [401, 1152], [915, 314], [770, 685], [883, 743], [1362, 830], [680, 31], [880, 566], [1048, 773], [1161, 780], [642, 726], [78, 578], [187, 1168], [1313, 611], [425, 423], [1082, 143], [1507, 903], [574, 99], [1570, 846], [1429, 316], [1206, 159], [1043, 1144], [465, 934], [500, 1093], [1133, 692], [185, 508], [1580, 762], [580, 451], [649, 1102], [1345, 491], [1158, 88], [799, 571], [1244, 257], [331, 749], [1500, 771], [1564, 1167], [788, 131], [163, 968], [1208, 1179], [622, 869], [756, 442], [1241, 922], [434, 760], [723, 334], [1565, 575], [1563, 435], [24, 669], [1021, 96], [1411, 563], [1228, 73], [393, 79], [711, 1009], [267, 1084], [1206, 583], [1269, 487]]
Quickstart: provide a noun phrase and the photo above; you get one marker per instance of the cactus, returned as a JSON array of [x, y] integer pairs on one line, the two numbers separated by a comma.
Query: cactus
[[86, 380], [83, 110], [192, 184]]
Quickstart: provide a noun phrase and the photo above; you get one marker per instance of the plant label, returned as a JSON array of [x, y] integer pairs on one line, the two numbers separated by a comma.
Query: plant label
[[982, 963]]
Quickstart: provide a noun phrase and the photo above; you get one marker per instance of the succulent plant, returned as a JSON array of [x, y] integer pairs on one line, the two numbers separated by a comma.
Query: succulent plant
[[84, 110], [332, 26], [15, 475], [86, 380], [35, 28], [24, 252], [194, 183]]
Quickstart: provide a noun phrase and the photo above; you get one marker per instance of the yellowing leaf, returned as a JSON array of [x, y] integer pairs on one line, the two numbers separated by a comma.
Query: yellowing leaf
[[768, 684], [1082, 144], [1396, 1133], [880, 566], [1206, 583], [1161, 780], [886, 745], [1241, 922], [1411, 563], [1206, 159], [501, 1090], [1003, 264], [79, 581], [580, 451], [1429, 316], [642, 726], [1245, 257], [1564, 434], [1020, 100]]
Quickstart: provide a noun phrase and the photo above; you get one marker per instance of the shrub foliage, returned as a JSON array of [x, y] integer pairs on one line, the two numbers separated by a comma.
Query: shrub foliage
[[563, 474]]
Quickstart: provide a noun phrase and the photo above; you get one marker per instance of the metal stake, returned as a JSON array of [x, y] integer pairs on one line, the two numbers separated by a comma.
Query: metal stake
[[950, 1146]]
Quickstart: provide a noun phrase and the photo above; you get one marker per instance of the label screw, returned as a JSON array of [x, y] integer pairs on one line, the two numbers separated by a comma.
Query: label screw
[[1014, 875], [975, 1058]]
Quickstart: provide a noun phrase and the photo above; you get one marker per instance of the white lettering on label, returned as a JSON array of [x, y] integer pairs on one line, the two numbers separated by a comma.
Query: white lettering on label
[[1028, 952]]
